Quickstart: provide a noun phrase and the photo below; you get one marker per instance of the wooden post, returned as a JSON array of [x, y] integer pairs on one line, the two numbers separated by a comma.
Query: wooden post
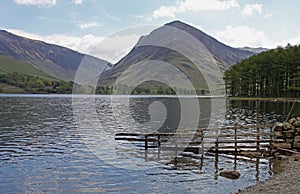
[[235, 140], [146, 142], [217, 140], [158, 139], [257, 126], [217, 155], [257, 169], [271, 140]]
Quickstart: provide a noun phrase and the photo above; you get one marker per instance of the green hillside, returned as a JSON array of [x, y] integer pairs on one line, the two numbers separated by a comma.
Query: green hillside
[[9, 65], [18, 77]]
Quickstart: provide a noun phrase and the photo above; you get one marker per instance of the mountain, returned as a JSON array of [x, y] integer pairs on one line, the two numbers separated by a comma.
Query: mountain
[[254, 50], [56, 61], [185, 47], [10, 65]]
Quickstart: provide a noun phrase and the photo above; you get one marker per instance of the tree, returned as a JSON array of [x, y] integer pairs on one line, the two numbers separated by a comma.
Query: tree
[[274, 73]]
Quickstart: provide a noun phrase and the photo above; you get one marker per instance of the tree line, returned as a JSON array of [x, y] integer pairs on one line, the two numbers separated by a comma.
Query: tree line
[[34, 84], [273, 73], [148, 90]]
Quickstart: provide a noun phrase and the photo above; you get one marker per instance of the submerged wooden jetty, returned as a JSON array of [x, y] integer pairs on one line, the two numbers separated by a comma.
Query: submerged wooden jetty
[[238, 139], [203, 148]]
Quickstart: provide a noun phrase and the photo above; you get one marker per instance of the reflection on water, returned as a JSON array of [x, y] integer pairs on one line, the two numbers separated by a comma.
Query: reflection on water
[[42, 151]]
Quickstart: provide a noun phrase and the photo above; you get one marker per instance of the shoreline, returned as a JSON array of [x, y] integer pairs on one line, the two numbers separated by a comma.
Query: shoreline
[[264, 99], [284, 180]]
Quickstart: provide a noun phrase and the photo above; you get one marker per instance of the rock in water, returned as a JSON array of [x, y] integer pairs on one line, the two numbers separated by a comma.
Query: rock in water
[[230, 174]]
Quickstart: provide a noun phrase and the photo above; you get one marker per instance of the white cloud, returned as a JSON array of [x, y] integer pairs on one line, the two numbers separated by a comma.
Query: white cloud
[[250, 9], [268, 15], [77, 2], [194, 5], [292, 41], [36, 2], [241, 36], [165, 11], [138, 16], [111, 16], [115, 47], [84, 26], [111, 49]]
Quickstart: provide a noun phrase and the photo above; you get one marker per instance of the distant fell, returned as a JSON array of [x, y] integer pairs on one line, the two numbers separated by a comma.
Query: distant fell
[[57, 61], [225, 54], [185, 47]]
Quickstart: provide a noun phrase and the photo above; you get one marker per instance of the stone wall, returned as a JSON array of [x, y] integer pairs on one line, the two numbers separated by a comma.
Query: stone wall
[[287, 134]]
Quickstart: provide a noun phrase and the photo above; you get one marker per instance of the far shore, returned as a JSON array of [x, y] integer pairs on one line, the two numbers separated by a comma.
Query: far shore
[[265, 99]]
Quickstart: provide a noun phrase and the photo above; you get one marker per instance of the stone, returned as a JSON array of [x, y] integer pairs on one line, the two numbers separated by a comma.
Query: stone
[[292, 120], [286, 125], [296, 145], [297, 138], [282, 157], [278, 135], [289, 133], [298, 129], [278, 128], [296, 124], [289, 140], [296, 158], [279, 140], [298, 118], [283, 145], [230, 174]]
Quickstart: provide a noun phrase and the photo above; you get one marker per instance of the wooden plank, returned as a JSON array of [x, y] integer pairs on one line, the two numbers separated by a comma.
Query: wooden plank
[[239, 127], [239, 135], [240, 141], [238, 147], [134, 139], [286, 150]]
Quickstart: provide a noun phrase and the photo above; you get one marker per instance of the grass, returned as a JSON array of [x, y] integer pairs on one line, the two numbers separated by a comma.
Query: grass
[[9, 65]]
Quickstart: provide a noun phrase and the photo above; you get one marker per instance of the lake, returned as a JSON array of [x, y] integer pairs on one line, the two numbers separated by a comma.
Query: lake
[[47, 144]]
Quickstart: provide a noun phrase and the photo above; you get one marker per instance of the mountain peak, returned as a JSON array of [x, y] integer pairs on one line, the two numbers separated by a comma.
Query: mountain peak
[[175, 22], [227, 55]]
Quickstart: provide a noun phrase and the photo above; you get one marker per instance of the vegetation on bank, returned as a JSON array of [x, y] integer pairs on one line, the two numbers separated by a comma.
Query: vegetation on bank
[[23, 83], [33, 84], [274, 73], [262, 99], [271, 75], [149, 88]]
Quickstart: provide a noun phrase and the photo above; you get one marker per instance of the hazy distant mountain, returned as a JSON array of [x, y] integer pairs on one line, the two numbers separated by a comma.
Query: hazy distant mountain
[[255, 50], [57, 61], [163, 44]]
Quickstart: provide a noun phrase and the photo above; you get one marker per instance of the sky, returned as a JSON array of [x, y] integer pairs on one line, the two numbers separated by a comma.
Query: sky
[[79, 24]]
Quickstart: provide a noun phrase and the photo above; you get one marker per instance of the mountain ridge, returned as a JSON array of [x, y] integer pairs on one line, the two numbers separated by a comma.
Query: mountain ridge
[[57, 61], [161, 45]]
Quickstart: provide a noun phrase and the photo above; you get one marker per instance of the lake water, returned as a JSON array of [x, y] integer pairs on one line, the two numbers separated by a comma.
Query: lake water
[[43, 147]]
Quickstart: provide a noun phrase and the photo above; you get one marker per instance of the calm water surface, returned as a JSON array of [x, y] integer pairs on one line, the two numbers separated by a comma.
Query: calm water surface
[[41, 150]]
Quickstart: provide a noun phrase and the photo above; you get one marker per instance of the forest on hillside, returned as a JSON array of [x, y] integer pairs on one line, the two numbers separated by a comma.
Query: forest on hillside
[[35, 85], [273, 73]]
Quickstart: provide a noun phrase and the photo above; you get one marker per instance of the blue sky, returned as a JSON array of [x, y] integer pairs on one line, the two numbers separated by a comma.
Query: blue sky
[[79, 23]]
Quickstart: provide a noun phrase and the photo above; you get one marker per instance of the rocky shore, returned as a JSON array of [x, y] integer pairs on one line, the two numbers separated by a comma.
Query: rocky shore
[[285, 179]]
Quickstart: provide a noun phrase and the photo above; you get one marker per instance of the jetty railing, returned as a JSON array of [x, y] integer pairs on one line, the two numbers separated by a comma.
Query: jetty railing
[[233, 139]]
